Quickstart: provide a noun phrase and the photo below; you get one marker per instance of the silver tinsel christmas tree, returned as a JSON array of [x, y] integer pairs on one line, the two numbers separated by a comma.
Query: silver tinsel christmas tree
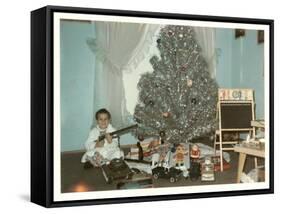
[[179, 97]]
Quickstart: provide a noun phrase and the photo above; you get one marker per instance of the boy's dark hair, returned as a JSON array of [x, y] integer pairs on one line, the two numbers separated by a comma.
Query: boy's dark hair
[[103, 111]]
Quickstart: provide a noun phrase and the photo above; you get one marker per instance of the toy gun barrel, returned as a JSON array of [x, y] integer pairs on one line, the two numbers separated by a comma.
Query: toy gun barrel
[[119, 132]]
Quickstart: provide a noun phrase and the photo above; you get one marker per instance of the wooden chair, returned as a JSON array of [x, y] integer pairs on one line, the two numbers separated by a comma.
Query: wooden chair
[[235, 111]]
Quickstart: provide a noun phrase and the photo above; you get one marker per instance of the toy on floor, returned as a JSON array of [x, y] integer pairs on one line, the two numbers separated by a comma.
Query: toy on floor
[[172, 173], [195, 167], [159, 150], [162, 136], [139, 180], [163, 168], [144, 166], [140, 150], [207, 170], [116, 169], [195, 152], [194, 171], [136, 151], [181, 152]]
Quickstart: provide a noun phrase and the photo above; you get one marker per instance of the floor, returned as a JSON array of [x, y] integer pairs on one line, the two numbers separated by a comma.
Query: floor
[[77, 179]]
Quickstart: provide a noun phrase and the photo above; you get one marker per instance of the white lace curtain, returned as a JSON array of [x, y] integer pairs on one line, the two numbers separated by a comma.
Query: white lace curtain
[[118, 47], [206, 38]]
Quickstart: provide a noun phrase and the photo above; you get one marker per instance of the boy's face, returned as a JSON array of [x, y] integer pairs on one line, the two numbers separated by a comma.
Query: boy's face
[[103, 121]]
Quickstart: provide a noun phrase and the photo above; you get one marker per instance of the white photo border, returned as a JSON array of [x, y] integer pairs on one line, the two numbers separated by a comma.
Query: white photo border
[[58, 196]]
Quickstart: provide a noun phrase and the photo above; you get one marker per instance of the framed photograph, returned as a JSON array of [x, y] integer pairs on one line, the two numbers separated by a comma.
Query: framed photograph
[[130, 106]]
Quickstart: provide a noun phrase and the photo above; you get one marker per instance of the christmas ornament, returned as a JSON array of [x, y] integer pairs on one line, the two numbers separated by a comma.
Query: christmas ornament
[[194, 101], [189, 82], [151, 103], [183, 67], [170, 33], [137, 120], [166, 114], [140, 137], [162, 133]]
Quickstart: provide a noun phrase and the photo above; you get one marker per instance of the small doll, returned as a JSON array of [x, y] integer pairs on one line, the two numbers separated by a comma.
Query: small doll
[[195, 152], [163, 147], [162, 135], [140, 151], [195, 167], [180, 154]]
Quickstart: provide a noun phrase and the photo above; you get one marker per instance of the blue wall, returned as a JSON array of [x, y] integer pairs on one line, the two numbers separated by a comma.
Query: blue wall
[[240, 64], [224, 57], [77, 84]]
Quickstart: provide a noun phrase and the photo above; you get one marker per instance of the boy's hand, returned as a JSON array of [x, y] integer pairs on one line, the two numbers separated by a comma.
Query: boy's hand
[[99, 144], [108, 137]]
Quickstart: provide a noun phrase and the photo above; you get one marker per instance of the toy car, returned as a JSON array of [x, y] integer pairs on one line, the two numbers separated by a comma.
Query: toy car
[[170, 173], [117, 169]]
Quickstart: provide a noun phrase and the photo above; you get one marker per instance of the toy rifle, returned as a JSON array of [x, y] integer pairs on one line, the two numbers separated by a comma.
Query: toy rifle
[[118, 132]]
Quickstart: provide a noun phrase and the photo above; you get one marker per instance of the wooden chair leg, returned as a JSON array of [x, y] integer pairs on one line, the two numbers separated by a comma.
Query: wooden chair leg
[[241, 162], [256, 162], [221, 152], [215, 147], [221, 159]]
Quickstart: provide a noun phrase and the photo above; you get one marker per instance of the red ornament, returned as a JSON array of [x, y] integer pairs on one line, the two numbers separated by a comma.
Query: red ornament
[[166, 114]]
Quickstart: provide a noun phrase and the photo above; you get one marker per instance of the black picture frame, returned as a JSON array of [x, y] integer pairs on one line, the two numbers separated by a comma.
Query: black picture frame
[[42, 101]]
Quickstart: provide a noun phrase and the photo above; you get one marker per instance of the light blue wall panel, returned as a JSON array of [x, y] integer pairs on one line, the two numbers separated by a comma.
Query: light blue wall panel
[[77, 84]]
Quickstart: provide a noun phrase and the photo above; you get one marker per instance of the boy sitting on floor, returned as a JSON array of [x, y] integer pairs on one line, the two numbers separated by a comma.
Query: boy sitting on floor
[[99, 152]]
